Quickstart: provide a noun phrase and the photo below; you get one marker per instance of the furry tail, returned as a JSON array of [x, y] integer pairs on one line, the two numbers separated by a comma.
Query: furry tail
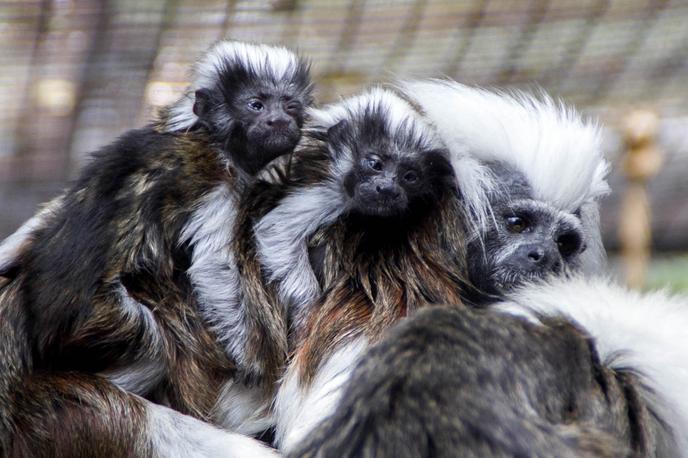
[[645, 335]]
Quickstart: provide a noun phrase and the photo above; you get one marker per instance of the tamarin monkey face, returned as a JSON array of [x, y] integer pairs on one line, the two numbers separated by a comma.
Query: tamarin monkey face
[[391, 175], [532, 172], [528, 239], [255, 114]]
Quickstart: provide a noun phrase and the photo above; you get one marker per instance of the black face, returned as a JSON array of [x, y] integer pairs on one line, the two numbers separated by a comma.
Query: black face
[[391, 176], [384, 185], [256, 120], [528, 240], [272, 120]]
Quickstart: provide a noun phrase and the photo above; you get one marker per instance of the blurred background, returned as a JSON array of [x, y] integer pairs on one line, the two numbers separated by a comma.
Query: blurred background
[[77, 73]]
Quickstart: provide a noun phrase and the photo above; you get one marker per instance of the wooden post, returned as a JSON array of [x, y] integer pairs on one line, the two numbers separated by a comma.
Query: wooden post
[[641, 162]]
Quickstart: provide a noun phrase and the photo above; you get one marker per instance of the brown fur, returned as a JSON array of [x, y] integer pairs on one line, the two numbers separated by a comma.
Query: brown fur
[[266, 320], [35, 365], [369, 283], [78, 415]]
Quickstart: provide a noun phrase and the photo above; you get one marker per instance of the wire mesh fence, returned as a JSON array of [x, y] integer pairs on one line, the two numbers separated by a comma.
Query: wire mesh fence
[[76, 73]]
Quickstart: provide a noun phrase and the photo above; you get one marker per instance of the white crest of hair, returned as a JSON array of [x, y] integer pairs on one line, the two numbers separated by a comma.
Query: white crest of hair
[[274, 62], [644, 333], [551, 144], [175, 435], [399, 114], [242, 409], [299, 409], [213, 271], [11, 247]]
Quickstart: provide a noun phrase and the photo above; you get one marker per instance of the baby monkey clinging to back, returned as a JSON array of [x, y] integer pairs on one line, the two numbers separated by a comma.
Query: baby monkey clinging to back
[[130, 278], [373, 210]]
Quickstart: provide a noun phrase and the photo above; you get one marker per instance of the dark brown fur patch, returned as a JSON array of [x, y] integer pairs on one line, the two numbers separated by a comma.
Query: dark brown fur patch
[[370, 283], [268, 320], [77, 415], [62, 317]]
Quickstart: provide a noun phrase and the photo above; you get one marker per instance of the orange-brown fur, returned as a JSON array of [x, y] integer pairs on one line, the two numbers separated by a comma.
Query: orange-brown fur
[[369, 284]]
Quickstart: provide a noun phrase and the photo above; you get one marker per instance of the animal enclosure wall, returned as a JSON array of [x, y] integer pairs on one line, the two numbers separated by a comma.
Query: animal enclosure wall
[[76, 73]]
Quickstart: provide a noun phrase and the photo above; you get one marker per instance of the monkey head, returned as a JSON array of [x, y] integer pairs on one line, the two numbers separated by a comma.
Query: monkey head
[[370, 162], [251, 101], [391, 163], [527, 239], [527, 165], [384, 181]]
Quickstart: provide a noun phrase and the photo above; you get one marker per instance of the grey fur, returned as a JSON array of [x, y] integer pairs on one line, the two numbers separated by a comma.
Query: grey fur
[[500, 256], [453, 381]]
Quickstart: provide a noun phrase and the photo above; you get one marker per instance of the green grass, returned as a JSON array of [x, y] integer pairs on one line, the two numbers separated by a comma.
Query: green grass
[[669, 272]]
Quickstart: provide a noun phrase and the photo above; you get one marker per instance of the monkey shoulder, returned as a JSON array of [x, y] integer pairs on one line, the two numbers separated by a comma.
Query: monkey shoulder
[[440, 354], [451, 378], [311, 164]]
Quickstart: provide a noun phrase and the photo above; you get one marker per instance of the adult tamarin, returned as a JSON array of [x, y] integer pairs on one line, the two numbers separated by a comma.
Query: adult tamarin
[[541, 170], [571, 367], [372, 220], [595, 370], [129, 284]]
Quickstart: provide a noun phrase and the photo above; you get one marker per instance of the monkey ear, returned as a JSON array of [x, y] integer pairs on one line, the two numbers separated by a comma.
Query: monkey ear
[[202, 104], [335, 134]]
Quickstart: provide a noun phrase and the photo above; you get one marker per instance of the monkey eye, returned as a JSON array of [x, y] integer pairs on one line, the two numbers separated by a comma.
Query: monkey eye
[[568, 243], [374, 163], [516, 224], [411, 176], [256, 105], [293, 106]]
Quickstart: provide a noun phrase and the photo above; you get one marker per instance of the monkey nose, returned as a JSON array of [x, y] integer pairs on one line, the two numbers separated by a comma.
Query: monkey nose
[[387, 190], [536, 255], [278, 122]]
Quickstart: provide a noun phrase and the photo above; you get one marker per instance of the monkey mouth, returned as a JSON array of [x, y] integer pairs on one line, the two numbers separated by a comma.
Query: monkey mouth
[[507, 279], [281, 138], [385, 207]]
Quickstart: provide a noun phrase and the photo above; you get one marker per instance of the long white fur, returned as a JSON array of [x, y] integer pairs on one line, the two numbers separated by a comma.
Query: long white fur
[[283, 234], [275, 62], [282, 240], [213, 271], [299, 409], [174, 435], [548, 142], [557, 150], [646, 333], [242, 409]]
